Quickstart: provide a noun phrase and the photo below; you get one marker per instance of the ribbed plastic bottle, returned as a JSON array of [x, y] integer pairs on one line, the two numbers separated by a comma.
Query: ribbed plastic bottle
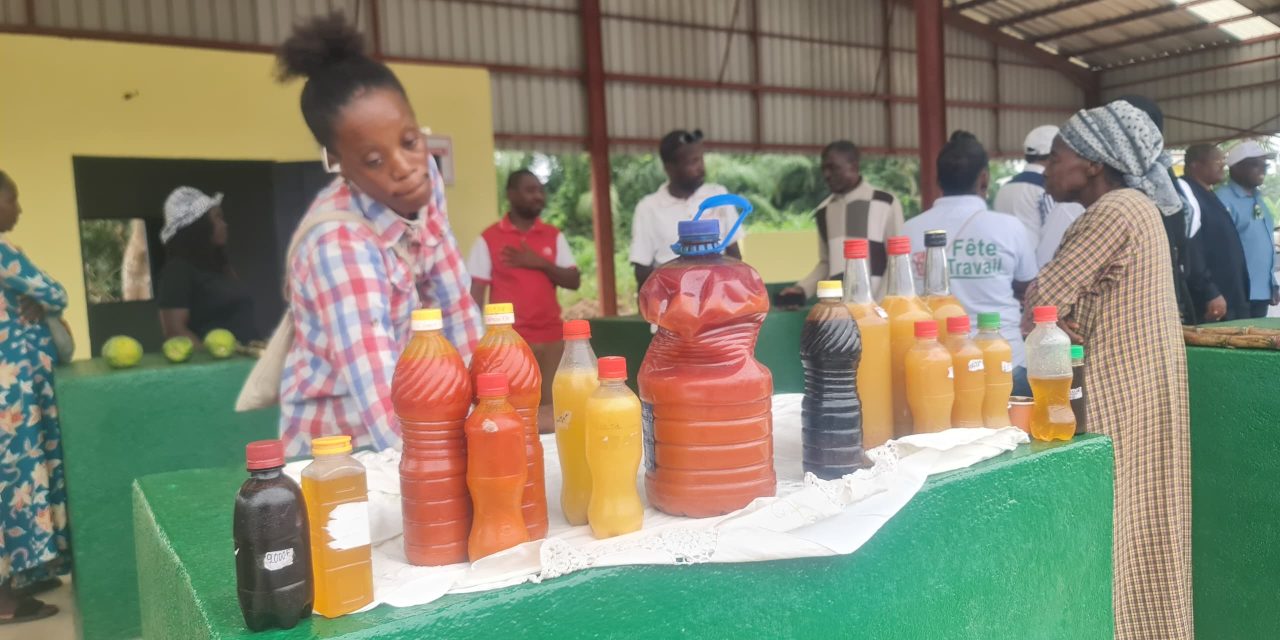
[[831, 414], [930, 380], [576, 379], [496, 470], [970, 374], [613, 452]]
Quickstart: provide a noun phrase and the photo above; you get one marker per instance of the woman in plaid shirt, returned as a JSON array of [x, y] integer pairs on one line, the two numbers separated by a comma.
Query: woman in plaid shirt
[[352, 284]]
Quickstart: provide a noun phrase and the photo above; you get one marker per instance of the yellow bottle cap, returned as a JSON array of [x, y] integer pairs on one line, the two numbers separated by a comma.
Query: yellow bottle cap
[[427, 320], [330, 445], [830, 289], [500, 313]]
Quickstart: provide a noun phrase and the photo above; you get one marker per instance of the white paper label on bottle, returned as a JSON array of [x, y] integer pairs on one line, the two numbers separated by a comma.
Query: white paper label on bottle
[[951, 372], [426, 325], [882, 313], [976, 365], [277, 560], [1006, 367], [1077, 393], [348, 526], [500, 318]]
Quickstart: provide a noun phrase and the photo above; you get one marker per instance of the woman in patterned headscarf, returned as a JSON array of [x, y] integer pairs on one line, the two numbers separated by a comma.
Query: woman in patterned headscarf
[[1111, 283]]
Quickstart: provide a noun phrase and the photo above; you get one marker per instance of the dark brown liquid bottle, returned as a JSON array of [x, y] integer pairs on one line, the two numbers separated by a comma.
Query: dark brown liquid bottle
[[831, 413], [273, 553], [1077, 387]]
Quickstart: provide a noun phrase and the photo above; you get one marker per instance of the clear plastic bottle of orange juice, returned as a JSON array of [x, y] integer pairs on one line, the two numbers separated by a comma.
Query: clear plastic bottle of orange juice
[[1049, 372], [930, 380], [875, 387], [905, 310], [613, 453], [576, 379], [997, 368], [502, 350], [937, 283], [970, 378], [431, 393], [337, 497], [496, 470]]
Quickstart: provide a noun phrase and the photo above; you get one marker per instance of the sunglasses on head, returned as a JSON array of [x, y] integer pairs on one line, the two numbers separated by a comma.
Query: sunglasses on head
[[690, 137]]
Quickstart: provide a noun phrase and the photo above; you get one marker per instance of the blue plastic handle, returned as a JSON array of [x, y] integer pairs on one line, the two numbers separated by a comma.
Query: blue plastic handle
[[727, 200]]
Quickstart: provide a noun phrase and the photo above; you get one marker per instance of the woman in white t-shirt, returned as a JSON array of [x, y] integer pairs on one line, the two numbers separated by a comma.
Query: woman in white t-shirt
[[991, 257]]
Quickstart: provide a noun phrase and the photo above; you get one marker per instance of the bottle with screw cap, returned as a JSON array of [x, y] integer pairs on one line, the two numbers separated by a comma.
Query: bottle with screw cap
[[831, 414], [905, 309], [496, 470], [337, 495], [1049, 372], [613, 448], [997, 369], [576, 379], [937, 283], [1077, 387], [968, 366], [875, 387], [930, 380]]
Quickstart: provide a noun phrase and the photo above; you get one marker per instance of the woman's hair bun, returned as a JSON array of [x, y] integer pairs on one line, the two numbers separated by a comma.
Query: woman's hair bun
[[319, 44], [961, 135]]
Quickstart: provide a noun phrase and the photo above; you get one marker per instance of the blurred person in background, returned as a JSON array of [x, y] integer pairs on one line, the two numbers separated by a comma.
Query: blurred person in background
[[1242, 196], [1218, 240]]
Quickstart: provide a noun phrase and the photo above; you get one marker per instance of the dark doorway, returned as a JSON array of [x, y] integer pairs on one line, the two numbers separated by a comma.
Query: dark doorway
[[262, 201]]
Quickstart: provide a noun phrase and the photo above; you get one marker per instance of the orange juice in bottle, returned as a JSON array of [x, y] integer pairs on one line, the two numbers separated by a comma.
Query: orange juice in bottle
[[937, 283], [905, 310], [874, 371], [1049, 372], [337, 497], [502, 350], [575, 381], [613, 446], [970, 381], [930, 380], [496, 470], [997, 369]]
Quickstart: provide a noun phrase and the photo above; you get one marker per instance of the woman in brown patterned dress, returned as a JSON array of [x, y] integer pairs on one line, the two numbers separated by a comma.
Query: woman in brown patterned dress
[[1110, 280]]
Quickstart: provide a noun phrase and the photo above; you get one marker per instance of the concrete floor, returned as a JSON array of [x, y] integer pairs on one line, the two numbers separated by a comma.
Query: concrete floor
[[59, 627]]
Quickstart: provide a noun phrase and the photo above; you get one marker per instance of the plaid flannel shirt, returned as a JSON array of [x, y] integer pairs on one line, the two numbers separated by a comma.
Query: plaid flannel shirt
[[351, 297]]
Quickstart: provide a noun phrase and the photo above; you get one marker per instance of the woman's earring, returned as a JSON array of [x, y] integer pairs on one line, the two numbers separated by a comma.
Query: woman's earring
[[324, 160]]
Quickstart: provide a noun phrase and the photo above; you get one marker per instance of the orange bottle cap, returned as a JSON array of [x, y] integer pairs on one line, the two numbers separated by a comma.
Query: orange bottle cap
[[492, 385], [612, 368], [926, 329]]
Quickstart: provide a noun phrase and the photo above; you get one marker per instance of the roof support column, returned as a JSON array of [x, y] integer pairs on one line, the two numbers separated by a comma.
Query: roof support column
[[931, 105], [598, 148]]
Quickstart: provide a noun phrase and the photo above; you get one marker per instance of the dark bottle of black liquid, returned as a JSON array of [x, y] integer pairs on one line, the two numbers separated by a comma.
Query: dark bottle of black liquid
[[1077, 387], [831, 413], [273, 553]]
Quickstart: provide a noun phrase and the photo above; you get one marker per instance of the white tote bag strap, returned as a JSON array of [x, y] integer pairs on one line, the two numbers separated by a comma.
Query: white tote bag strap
[[262, 388]]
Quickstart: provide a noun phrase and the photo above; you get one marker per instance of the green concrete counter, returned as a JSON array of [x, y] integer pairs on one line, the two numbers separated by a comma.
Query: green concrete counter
[[1016, 547], [121, 425]]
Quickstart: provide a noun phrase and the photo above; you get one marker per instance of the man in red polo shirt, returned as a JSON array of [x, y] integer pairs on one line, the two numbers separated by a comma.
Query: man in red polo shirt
[[521, 259]]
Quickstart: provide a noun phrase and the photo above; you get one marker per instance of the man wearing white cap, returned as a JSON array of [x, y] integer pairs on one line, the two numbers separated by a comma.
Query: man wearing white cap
[[1024, 198], [1243, 199]]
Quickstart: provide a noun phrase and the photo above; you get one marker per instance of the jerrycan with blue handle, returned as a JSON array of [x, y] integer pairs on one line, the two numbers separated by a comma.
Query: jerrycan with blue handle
[[706, 401]]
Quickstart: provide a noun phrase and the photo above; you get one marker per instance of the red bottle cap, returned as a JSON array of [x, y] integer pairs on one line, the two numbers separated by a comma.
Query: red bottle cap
[[612, 368], [899, 245], [264, 454], [492, 385], [856, 249], [577, 330], [1045, 314], [958, 325], [926, 329]]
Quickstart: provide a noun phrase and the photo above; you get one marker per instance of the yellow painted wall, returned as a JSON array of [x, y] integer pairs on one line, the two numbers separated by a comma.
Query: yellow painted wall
[[60, 98], [782, 256]]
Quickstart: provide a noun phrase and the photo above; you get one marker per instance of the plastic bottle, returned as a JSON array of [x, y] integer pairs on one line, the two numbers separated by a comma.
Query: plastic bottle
[[707, 402], [496, 470], [831, 414], [1049, 372], [905, 310], [937, 283], [875, 389], [431, 393], [273, 552], [613, 453], [337, 495], [502, 350], [997, 367], [575, 381], [1077, 387], [970, 379], [930, 380]]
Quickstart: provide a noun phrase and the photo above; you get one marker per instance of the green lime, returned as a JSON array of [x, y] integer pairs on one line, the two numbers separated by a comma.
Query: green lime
[[122, 352], [178, 349], [220, 343]]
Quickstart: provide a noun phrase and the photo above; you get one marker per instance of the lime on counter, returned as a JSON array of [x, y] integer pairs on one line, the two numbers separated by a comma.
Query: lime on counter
[[220, 343], [178, 349], [122, 352]]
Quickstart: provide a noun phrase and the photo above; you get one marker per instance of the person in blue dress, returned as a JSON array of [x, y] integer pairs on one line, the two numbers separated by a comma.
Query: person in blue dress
[[34, 547]]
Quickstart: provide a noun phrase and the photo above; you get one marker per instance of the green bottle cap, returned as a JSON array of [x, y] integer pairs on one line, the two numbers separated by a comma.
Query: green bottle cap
[[988, 320], [1077, 352]]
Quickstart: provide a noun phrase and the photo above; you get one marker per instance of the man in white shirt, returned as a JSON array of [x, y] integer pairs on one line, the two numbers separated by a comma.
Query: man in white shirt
[[653, 228], [1023, 196], [991, 261]]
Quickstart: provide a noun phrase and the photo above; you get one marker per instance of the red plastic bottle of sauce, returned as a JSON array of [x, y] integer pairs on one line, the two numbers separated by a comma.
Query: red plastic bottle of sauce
[[502, 350], [496, 470], [706, 400], [431, 393], [273, 552]]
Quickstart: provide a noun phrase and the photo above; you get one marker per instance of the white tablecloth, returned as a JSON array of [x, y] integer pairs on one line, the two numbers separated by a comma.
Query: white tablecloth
[[808, 517]]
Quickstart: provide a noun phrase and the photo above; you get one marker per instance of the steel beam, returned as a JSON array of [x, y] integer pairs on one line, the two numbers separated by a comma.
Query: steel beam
[[1111, 22], [1040, 13], [598, 148], [931, 92], [1160, 35]]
